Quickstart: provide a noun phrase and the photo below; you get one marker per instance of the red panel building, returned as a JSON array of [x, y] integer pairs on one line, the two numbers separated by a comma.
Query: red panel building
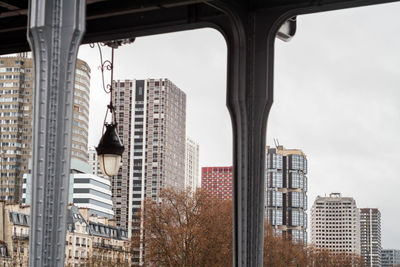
[[217, 181]]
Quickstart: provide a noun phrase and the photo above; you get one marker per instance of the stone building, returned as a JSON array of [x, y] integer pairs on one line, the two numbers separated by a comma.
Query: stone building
[[94, 240], [14, 234], [90, 240]]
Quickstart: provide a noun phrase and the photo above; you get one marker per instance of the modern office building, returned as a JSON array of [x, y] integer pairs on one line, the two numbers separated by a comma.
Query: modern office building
[[390, 257], [16, 92], [94, 193], [191, 164], [286, 192], [370, 233], [335, 224], [151, 117], [86, 190], [217, 182]]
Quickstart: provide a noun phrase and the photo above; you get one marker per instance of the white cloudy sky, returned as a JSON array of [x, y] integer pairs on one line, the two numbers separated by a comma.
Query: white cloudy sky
[[337, 97]]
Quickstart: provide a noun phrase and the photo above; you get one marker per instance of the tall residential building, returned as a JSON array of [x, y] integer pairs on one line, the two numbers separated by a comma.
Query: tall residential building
[[16, 92], [217, 182], [191, 164], [286, 192], [390, 257], [370, 229], [151, 117], [335, 224]]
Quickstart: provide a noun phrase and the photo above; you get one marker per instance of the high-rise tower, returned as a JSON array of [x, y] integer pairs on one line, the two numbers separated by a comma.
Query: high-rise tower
[[191, 165], [286, 192], [151, 117], [16, 94], [370, 231], [335, 224]]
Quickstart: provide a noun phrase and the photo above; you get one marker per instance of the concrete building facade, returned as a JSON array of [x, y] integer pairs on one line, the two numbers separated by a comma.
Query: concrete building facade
[[16, 92], [370, 232], [151, 117], [217, 182], [335, 224], [191, 164], [94, 163], [16, 95], [286, 192]]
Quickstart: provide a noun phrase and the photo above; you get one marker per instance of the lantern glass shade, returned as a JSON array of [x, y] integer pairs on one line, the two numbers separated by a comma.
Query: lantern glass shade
[[109, 163], [110, 151]]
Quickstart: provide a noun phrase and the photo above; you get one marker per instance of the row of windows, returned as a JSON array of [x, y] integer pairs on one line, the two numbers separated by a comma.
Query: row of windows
[[9, 69]]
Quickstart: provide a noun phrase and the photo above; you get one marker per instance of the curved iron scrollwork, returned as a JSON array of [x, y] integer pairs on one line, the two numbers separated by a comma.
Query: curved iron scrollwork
[[108, 65]]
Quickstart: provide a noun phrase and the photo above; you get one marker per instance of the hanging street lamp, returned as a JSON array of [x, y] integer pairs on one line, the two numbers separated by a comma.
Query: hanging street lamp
[[110, 147], [110, 151]]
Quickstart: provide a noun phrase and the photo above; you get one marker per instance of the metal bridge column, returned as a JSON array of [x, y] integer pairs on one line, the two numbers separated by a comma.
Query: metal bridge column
[[55, 31], [250, 37]]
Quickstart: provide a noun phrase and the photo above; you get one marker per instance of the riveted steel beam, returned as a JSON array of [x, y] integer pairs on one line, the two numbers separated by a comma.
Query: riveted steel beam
[[55, 31]]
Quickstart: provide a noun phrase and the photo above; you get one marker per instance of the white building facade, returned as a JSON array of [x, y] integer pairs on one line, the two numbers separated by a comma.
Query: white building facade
[[370, 227], [191, 165], [94, 163], [93, 192], [335, 224], [86, 190]]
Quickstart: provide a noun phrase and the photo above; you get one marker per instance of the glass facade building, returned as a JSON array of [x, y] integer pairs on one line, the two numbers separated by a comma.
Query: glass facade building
[[286, 192]]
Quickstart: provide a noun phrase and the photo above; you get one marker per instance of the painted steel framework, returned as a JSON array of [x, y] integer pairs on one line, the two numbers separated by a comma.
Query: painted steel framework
[[55, 30]]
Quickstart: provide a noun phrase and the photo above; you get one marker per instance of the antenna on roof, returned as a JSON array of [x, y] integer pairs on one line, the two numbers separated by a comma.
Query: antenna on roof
[[276, 142]]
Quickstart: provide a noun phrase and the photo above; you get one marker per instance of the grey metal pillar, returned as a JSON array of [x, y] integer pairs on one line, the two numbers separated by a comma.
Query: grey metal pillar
[[250, 37], [55, 32]]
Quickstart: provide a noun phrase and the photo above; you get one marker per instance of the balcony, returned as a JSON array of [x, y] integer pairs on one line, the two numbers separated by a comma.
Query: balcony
[[20, 236]]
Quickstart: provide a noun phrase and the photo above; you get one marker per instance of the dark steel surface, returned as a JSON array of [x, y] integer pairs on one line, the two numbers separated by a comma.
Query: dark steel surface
[[249, 28], [108, 19]]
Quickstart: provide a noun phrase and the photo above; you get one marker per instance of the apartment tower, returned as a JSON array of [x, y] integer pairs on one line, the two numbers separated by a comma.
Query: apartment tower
[[370, 231], [335, 224], [151, 117], [286, 192], [191, 165], [16, 94], [217, 182]]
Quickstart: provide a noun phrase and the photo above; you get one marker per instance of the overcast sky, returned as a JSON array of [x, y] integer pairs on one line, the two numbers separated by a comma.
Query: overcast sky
[[337, 97]]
